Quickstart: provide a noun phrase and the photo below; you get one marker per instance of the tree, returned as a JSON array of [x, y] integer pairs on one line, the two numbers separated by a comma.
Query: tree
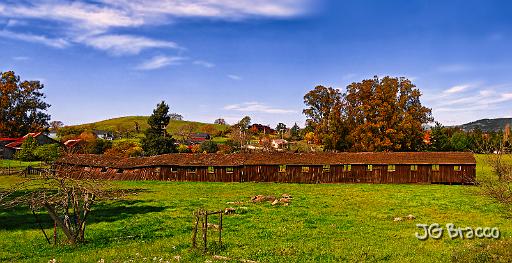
[[157, 141], [295, 132], [28, 148], [209, 147], [385, 115], [220, 121], [22, 109], [176, 117], [325, 117], [439, 140], [67, 201], [48, 152], [56, 125], [239, 131], [459, 141]]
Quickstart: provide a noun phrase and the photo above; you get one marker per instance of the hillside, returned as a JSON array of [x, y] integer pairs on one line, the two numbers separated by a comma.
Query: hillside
[[487, 124], [128, 123]]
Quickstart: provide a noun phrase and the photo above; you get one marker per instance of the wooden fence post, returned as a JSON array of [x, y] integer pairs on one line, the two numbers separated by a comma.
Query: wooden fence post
[[205, 231], [220, 229]]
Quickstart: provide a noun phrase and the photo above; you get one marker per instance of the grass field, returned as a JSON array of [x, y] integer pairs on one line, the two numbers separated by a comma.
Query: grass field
[[324, 223], [17, 164]]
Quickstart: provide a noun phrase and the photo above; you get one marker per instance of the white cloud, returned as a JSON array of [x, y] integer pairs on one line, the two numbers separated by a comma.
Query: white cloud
[[160, 62], [234, 77], [456, 89], [91, 23], [203, 63], [257, 107], [125, 44], [52, 42]]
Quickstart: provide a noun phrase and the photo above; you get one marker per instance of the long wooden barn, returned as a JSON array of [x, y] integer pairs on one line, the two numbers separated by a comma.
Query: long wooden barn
[[398, 167]]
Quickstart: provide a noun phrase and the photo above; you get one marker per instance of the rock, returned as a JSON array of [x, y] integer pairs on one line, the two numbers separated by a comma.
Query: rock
[[213, 226], [287, 196], [396, 219], [284, 200], [177, 258], [262, 198], [229, 210], [216, 257], [275, 202], [410, 217], [235, 203]]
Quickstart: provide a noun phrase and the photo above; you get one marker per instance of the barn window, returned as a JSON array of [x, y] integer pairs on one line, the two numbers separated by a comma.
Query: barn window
[[229, 170], [435, 167], [326, 168], [391, 167], [282, 168], [347, 167], [414, 167], [120, 171], [174, 169], [211, 169], [104, 169], [457, 168], [369, 167], [305, 169], [191, 170]]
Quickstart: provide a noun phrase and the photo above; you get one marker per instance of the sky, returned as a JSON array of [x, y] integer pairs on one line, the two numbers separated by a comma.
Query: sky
[[212, 59]]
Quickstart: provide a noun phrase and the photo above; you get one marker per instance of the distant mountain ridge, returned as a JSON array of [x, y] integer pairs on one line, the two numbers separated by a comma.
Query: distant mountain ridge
[[487, 125]]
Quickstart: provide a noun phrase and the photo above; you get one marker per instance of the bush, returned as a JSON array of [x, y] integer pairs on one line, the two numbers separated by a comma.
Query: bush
[[125, 148], [27, 152], [48, 152], [182, 148], [209, 147]]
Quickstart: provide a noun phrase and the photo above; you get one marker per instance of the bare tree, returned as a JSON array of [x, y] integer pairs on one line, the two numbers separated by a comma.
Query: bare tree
[[68, 201], [499, 184]]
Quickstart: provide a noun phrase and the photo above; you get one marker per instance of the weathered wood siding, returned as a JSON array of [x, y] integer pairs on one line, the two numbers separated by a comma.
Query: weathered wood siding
[[293, 174]]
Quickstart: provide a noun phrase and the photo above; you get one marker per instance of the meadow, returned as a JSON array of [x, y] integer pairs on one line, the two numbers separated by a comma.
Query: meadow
[[323, 223]]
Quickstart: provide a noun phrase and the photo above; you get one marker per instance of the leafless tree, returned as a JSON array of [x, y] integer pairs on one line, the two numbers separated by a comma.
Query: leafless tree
[[68, 201]]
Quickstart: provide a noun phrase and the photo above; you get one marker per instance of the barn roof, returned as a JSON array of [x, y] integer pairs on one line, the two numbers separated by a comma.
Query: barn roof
[[271, 159]]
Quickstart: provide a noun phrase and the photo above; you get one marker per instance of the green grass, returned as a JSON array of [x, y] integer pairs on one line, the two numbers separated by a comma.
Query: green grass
[[129, 124], [17, 164], [324, 223]]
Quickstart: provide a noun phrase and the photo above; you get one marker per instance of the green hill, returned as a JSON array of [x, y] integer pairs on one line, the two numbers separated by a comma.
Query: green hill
[[128, 123], [487, 125]]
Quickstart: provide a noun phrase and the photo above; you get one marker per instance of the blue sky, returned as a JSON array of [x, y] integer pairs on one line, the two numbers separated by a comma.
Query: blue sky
[[230, 58]]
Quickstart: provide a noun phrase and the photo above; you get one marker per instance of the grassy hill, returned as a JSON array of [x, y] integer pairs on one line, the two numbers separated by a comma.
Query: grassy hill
[[128, 123], [487, 124]]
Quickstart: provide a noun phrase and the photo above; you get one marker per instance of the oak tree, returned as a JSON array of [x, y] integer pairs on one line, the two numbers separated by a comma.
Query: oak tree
[[22, 109]]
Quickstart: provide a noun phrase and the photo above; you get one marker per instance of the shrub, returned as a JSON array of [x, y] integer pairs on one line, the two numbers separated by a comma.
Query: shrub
[[27, 152], [209, 147], [48, 152], [182, 148]]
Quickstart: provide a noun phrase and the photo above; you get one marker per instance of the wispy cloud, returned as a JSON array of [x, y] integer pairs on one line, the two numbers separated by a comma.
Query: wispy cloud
[[234, 77], [20, 58], [96, 20], [257, 107], [457, 89], [52, 42], [203, 63], [454, 68], [160, 62]]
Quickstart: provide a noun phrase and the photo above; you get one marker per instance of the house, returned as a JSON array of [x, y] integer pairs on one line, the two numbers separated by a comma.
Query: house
[[105, 135], [11, 145], [260, 128], [279, 144], [198, 138], [6, 152], [321, 167]]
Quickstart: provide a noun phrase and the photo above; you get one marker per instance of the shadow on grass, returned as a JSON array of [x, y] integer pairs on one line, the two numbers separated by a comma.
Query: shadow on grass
[[21, 218]]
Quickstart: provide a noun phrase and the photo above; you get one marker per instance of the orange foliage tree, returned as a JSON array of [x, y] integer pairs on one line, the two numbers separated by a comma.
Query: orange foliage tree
[[22, 109]]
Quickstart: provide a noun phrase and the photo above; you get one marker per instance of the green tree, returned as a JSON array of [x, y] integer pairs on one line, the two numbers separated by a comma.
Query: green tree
[[48, 152], [22, 109], [295, 132], [28, 148], [157, 141], [209, 147], [325, 117], [439, 140], [459, 141]]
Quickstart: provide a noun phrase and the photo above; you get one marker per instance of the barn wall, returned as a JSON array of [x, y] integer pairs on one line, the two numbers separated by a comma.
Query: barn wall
[[293, 174]]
